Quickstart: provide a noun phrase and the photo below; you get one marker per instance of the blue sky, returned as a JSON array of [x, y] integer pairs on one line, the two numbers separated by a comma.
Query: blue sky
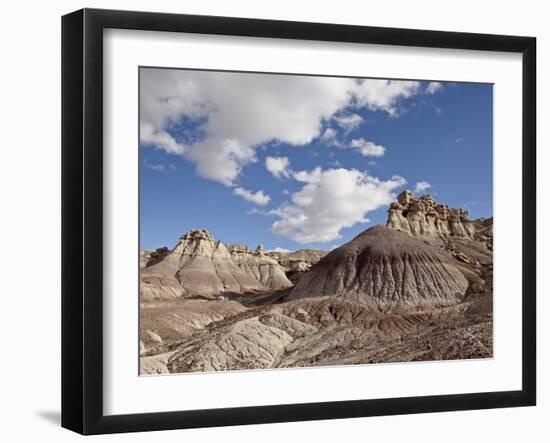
[[339, 150]]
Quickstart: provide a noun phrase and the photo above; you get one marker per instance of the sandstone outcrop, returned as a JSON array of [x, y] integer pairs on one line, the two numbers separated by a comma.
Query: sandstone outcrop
[[200, 265], [423, 216], [144, 257], [149, 257]]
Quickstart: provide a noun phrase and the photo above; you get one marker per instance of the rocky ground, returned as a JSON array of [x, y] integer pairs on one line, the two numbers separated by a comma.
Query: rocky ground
[[418, 289]]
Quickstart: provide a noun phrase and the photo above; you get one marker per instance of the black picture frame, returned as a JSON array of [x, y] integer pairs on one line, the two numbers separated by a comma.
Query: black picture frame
[[82, 219]]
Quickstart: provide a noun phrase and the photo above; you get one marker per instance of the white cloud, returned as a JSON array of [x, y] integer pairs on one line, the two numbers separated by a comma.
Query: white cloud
[[364, 147], [278, 166], [330, 201], [433, 87], [217, 120], [367, 148], [221, 159], [330, 137], [259, 198], [278, 249], [384, 95], [349, 121], [422, 187], [313, 176], [160, 139], [158, 167]]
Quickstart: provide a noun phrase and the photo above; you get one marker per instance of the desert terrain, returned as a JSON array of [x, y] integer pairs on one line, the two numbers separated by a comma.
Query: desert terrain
[[418, 288]]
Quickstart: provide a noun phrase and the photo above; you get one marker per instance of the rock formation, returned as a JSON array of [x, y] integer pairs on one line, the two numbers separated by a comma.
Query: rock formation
[[144, 257], [423, 216], [298, 262], [383, 265], [148, 257], [199, 265]]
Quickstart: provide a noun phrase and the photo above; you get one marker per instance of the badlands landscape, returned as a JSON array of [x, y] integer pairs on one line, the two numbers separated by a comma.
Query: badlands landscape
[[416, 289]]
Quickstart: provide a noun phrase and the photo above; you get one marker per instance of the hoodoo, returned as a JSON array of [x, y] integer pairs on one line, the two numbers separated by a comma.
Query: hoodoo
[[423, 216]]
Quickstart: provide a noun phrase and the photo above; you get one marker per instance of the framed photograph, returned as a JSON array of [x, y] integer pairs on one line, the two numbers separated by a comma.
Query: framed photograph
[[270, 221]]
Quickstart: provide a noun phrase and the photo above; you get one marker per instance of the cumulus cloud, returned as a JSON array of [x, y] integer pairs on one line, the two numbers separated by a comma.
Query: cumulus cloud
[[349, 122], [367, 148], [330, 201], [279, 167], [312, 176], [259, 198], [422, 187], [433, 87], [384, 95], [221, 159], [228, 115], [160, 139]]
